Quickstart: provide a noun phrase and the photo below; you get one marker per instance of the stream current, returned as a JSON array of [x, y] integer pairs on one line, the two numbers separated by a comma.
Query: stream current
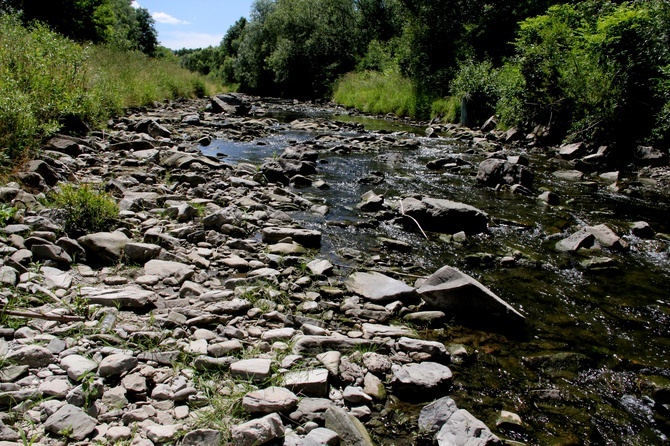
[[592, 365]]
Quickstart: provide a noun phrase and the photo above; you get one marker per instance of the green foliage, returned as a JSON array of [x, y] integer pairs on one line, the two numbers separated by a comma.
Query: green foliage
[[46, 79], [85, 209], [446, 109], [42, 80], [6, 213]]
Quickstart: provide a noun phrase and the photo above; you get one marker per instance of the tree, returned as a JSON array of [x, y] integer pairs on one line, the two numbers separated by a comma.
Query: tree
[[146, 37]]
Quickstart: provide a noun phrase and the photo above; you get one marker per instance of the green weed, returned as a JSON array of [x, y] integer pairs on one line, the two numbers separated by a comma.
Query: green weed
[[85, 209]]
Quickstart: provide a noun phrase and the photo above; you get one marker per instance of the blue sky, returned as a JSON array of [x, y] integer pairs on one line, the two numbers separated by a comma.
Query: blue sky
[[194, 23]]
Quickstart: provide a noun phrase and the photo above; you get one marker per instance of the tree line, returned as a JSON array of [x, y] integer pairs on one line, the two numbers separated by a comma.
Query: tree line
[[589, 70], [112, 22]]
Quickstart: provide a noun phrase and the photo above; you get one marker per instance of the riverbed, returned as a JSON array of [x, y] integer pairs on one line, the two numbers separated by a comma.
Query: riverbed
[[588, 366]]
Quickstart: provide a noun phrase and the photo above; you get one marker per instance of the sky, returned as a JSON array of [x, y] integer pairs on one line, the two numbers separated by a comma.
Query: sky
[[194, 23]]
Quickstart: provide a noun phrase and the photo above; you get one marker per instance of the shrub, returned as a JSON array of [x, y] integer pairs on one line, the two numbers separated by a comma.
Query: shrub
[[85, 209], [377, 93]]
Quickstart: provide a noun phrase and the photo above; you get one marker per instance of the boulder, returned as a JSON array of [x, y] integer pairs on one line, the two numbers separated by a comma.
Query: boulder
[[104, 248], [461, 296], [231, 104], [463, 428], [348, 428], [444, 216], [258, 431], [421, 381], [493, 172], [72, 421], [269, 400]]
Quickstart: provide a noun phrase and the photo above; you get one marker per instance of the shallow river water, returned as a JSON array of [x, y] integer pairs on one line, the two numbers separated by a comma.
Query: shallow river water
[[595, 349]]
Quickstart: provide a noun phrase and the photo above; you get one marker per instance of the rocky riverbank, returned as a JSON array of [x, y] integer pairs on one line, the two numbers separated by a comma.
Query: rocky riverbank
[[210, 316]]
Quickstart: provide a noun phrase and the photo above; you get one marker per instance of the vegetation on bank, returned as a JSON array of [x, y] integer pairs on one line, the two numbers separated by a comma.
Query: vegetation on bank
[[50, 83], [591, 70]]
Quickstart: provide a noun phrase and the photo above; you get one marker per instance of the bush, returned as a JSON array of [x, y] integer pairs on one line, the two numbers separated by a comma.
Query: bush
[[377, 93], [85, 209]]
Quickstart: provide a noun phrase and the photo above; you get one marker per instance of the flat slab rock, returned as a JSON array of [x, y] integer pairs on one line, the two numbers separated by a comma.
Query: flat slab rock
[[269, 400], [377, 287], [457, 294], [131, 296]]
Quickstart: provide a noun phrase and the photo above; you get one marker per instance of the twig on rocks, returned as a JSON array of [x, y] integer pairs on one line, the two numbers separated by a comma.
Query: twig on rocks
[[402, 211]]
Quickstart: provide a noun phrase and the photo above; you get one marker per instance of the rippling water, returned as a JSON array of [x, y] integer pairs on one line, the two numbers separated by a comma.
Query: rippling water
[[600, 336]]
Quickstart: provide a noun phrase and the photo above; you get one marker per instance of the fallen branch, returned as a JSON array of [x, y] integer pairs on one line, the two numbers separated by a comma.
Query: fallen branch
[[48, 317], [402, 211]]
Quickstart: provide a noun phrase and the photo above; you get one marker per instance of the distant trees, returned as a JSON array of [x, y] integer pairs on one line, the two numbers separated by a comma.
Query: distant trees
[[113, 22]]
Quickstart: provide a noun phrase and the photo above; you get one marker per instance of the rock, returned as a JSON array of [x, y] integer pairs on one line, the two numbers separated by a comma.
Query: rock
[[256, 369], [642, 229], [306, 237], [78, 366], [162, 433], [230, 103], [433, 350], [32, 356], [572, 151], [650, 156], [70, 421], [141, 253], [459, 295], [356, 395], [104, 248], [391, 331], [8, 276], [331, 361], [434, 415], [322, 437], [371, 202], [271, 399], [116, 364], [308, 382], [164, 268], [308, 345], [569, 175], [607, 238], [493, 172], [348, 428], [258, 431], [421, 381], [549, 198], [582, 239], [463, 428], [378, 287], [320, 267], [202, 437], [374, 387], [444, 216], [129, 297]]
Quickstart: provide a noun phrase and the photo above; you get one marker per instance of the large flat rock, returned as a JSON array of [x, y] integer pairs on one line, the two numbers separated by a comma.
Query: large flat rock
[[444, 216], [378, 288], [459, 295]]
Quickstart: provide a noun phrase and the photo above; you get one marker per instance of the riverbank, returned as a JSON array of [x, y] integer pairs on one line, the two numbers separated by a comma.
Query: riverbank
[[221, 282]]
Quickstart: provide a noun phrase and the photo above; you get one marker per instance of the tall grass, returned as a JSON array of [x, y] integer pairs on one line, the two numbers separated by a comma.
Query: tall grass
[[377, 93], [46, 79]]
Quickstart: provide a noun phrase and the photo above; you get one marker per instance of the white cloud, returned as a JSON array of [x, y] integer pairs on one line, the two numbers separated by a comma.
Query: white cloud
[[135, 5], [162, 17], [176, 40]]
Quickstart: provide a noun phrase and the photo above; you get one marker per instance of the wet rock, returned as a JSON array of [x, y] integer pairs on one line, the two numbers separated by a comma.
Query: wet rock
[[371, 202], [650, 156], [582, 239], [421, 381], [434, 415], [377, 287], [71, 421], [493, 172], [269, 400], [572, 151], [463, 428], [459, 295], [607, 238], [258, 431], [549, 198], [569, 175], [642, 229], [443, 216], [348, 428]]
